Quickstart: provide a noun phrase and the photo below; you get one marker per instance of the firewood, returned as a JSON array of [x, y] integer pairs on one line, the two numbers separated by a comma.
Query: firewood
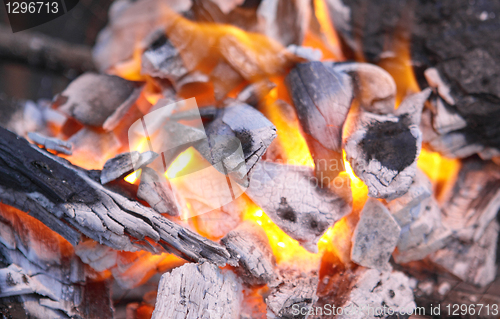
[[419, 216], [248, 244], [474, 262], [375, 236], [383, 149], [295, 291], [322, 98], [360, 291], [374, 88], [51, 143], [162, 60], [291, 197], [237, 139], [92, 98], [124, 164], [254, 92], [48, 186], [307, 53], [471, 200], [444, 120], [158, 193], [50, 53], [195, 291], [469, 71]]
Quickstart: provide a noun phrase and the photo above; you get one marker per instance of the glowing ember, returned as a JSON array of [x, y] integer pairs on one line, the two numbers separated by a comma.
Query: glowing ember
[[133, 177], [180, 163]]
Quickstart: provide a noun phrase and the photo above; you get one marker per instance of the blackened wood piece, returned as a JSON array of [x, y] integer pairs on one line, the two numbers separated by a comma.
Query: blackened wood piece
[[97, 212], [248, 244], [383, 149], [195, 291], [124, 164], [291, 197]]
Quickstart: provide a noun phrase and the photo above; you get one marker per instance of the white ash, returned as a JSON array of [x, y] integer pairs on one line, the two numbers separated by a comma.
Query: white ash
[[375, 236]]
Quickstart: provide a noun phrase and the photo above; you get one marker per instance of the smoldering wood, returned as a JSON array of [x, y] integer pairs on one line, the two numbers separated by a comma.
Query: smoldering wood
[[383, 149], [296, 289], [162, 60], [375, 236], [435, 81], [363, 287], [419, 216], [322, 98], [237, 139], [471, 71], [287, 22], [51, 143], [53, 190], [40, 50], [124, 164], [291, 197], [473, 262], [248, 244], [198, 291], [42, 280], [254, 92], [224, 78], [472, 199], [158, 193], [444, 120], [374, 88], [92, 98], [307, 53]]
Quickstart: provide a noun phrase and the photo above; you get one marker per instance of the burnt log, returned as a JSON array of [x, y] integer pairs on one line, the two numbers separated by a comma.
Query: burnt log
[[249, 245], [198, 291], [66, 198], [383, 149], [292, 198], [124, 164]]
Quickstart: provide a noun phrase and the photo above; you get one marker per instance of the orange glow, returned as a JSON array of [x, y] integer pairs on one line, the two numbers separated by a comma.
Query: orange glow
[[203, 45], [401, 69], [437, 168], [292, 143], [330, 44]]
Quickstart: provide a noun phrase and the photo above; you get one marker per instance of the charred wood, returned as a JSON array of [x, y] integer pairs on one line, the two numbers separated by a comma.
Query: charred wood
[[291, 197], [52, 189], [248, 244], [197, 291]]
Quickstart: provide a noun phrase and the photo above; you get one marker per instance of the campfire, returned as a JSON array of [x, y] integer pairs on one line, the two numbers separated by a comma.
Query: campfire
[[261, 159]]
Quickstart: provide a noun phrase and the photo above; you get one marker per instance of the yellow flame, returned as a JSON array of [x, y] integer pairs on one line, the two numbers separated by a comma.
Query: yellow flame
[[180, 163], [132, 177], [438, 168], [331, 36]]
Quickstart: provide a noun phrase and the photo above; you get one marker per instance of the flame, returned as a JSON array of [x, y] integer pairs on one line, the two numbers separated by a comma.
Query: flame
[[133, 177], [329, 43], [180, 163], [437, 168]]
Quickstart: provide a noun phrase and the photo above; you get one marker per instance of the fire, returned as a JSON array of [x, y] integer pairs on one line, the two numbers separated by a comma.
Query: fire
[[181, 162], [133, 177], [438, 169]]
